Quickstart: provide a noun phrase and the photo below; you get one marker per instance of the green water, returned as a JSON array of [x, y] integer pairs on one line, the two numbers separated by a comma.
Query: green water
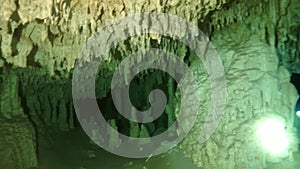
[[72, 150]]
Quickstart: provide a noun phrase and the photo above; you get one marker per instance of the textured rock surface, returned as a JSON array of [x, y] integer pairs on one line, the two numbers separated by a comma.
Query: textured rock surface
[[258, 42], [274, 22], [10, 104], [18, 136], [251, 47], [51, 34], [17, 143], [256, 87]]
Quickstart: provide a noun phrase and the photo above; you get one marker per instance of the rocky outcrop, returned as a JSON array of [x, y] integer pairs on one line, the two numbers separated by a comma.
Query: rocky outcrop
[[257, 41], [252, 40], [273, 22], [17, 143], [51, 33], [256, 87], [18, 148]]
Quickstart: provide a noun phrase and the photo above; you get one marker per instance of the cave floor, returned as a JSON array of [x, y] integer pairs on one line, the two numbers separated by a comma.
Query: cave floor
[[73, 150]]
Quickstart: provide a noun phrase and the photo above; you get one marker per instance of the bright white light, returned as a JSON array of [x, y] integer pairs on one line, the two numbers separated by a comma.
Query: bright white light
[[273, 136], [298, 113]]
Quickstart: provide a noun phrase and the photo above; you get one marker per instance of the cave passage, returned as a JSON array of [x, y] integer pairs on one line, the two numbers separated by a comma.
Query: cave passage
[[257, 44], [295, 79], [139, 90]]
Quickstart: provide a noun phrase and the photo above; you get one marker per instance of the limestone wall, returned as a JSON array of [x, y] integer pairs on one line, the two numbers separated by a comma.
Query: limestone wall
[[18, 136], [258, 43], [256, 87], [50, 34], [249, 38]]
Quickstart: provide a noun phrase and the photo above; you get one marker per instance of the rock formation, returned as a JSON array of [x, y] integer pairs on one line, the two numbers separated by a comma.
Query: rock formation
[[258, 43]]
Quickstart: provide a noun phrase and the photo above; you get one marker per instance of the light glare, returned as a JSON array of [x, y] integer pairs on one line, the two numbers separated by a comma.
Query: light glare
[[298, 113], [273, 136]]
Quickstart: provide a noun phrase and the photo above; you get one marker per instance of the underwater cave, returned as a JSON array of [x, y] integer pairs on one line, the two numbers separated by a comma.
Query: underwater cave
[[150, 84]]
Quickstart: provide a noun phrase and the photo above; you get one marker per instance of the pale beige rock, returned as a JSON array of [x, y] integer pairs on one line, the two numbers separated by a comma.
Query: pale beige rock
[[34, 9], [80, 19], [245, 34], [6, 9]]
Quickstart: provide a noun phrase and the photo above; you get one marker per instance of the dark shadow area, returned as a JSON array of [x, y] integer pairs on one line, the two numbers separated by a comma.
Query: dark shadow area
[[139, 90], [295, 79]]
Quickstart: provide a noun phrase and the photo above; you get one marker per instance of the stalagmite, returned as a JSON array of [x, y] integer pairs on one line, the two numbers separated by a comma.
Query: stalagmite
[[114, 140]]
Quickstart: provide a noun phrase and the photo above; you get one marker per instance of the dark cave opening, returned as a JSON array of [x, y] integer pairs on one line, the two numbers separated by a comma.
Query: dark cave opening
[[139, 97], [40, 42], [295, 79]]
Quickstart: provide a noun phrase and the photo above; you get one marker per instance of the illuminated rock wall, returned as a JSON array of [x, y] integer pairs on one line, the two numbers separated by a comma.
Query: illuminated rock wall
[[256, 86], [251, 45], [258, 43]]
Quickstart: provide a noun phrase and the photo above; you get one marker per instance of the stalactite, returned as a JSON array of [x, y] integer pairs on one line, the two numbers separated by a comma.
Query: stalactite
[[71, 120], [10, 101], [62, 115], [46, 110], [170, 106], [53, 39]]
